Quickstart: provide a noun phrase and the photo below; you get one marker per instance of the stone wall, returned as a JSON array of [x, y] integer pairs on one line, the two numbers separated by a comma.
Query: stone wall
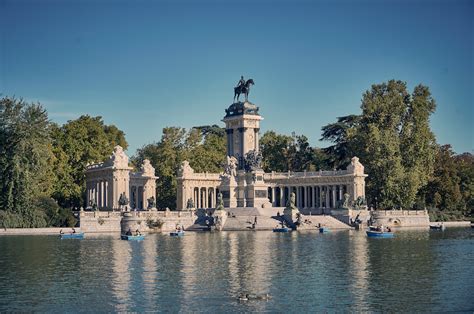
[[36, 231], [400, 218], [100, 221], [121, 221], [168, 220]]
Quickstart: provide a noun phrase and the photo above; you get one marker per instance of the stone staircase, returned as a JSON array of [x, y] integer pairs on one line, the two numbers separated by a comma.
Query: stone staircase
[[241, 219]]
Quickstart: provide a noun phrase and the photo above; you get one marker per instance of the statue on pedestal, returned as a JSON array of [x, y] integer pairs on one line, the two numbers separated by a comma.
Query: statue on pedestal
[[123, 201], [243, 87], [190, 204], [345, 202], [151, 202], [291, 202], [253, 160], [360, 203], [230, 168], [220, 202]]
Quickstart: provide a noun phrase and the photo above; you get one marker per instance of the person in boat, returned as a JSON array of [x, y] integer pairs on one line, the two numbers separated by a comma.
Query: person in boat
[[389, 229], [137, 232], [73, 230], [129, 232], [61, 231]]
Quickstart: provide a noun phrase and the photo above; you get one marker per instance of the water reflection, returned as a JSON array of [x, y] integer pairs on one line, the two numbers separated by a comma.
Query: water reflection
[[204, 272], [121, 281], [359, 270]]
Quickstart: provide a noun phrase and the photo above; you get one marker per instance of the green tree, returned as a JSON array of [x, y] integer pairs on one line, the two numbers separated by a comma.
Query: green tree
[[277, 151], [283, 153], [393, 139], [204, 147], [343, 134], [25, 156], [76, 144]]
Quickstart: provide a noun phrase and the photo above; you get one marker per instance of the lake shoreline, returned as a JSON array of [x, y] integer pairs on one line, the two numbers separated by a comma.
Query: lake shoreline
[[56, 230]]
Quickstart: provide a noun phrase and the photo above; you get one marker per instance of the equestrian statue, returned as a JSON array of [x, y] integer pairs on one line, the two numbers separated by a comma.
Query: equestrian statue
[[243, 87]]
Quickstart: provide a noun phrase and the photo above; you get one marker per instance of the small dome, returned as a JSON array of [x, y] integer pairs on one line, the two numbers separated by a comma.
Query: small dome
[[241, 108]]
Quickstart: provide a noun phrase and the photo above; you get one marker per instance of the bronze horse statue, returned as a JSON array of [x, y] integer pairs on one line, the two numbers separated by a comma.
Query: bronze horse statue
[[243, 89]]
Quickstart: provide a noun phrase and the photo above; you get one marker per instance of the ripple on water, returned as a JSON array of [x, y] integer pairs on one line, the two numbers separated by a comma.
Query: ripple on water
[[204, 272]]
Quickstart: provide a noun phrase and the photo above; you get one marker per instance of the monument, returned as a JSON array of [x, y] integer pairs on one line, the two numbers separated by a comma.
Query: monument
[[244, 184]]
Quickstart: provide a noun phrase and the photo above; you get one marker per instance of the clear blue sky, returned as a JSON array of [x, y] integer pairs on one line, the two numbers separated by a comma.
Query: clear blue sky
[[144, 65]]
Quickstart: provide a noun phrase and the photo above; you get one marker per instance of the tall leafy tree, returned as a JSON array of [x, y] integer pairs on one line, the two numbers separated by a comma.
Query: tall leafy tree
[[392, 137], [343, 133], [25, 154], [75, 145], [204, 147]]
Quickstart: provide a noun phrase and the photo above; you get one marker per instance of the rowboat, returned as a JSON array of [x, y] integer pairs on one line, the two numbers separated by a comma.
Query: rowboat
[[437, 227], [132, 237], [379, 234], [324, 230], [284, 229], [79, 235], [177, 233]]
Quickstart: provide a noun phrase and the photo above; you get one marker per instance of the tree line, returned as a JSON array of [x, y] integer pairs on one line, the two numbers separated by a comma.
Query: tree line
[[42, 164]]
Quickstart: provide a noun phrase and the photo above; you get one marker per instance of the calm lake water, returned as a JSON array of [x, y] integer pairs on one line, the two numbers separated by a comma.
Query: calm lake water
[[419, 270]]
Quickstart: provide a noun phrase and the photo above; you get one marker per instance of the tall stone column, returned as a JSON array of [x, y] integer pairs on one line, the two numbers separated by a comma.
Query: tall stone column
[[107, 196], [244, 141], [298, 189], [313, 196], [96, 193], [333, 196], [104, 200], [308, 197], [341, 193], [282, 194], [137, 199], [199, 205], [326, 190], [257, 147]]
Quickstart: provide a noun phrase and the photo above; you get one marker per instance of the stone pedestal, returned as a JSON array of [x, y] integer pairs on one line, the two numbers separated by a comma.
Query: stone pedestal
[[257, 190], [241, 188], [229, 191], [290, 215], [220, 217]]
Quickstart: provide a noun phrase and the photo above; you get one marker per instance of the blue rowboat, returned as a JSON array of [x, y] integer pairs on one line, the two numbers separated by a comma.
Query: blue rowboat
[[79, 235], [324, 230], [132, 237], [379, 234], [177, 234], [284, 229]]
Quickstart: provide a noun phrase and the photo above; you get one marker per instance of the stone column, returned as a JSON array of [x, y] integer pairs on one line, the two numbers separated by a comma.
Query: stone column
[[144, 197], [198, 205], [308, 197], [107, 196], [333, 196], [313, 196], [96, 193], [341, 194], [282, 194], [137, 199], [326, 191], [115, 193], [104, 195], [298, 192], [272, 195], [244, 141], [257, 148]]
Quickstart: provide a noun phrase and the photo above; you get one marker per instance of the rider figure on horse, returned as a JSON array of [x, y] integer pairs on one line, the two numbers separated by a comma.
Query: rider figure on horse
[[241, 83]]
